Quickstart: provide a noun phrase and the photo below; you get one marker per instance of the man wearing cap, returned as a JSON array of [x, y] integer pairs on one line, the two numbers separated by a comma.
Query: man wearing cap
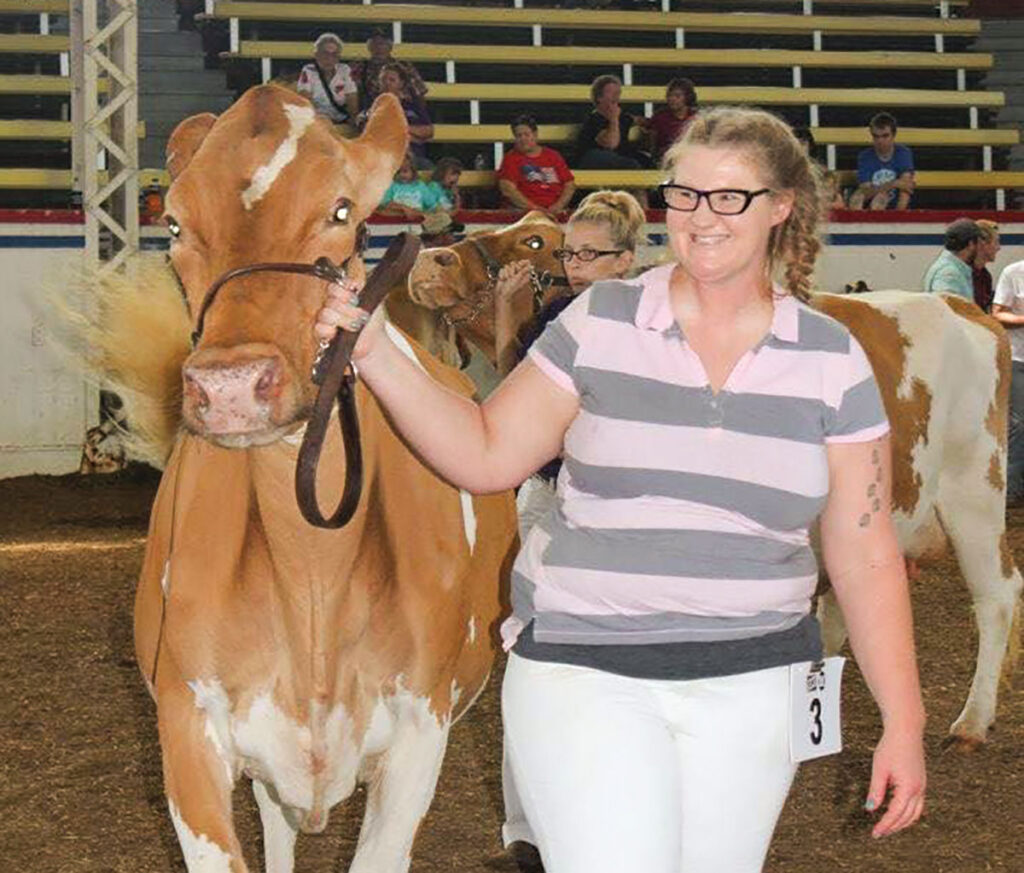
[[953, 270], [328, 83], [367, 73], [1008, 307]]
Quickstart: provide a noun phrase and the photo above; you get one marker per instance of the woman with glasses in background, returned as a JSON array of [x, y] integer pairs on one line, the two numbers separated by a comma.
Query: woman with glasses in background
[[600, 242], [661, 611]]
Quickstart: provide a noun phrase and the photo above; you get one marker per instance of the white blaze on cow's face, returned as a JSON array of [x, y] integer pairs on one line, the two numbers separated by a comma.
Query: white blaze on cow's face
[[267, 181]]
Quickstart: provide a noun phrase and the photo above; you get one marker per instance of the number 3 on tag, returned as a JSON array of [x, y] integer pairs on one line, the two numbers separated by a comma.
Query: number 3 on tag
[[814, 729]]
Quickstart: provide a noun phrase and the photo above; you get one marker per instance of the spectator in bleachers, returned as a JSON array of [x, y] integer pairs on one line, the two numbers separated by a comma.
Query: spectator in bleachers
[[885, 172], [408, 195], [367, 73], [394, 80], [1008, 307], [603, 140], [669, 122], [444, 182], [988, 248], [951, 272], [533, 176], [833, 190], [328, 83]]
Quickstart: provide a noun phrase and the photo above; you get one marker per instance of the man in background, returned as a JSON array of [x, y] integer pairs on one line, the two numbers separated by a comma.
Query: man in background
[[952, 271], [885, 172]]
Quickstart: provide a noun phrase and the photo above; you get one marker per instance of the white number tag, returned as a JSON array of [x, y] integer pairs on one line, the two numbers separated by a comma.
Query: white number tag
[[814, 729]]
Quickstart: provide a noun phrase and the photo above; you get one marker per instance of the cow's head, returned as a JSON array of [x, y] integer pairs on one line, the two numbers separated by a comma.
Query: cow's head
[[459, 278], [267, 181]]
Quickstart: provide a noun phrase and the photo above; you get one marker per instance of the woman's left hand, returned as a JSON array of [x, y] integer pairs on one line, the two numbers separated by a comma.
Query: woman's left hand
[[898, 763], [512, 278]]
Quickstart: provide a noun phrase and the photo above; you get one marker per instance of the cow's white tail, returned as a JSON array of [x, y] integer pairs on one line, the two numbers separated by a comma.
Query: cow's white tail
[[131, 333]]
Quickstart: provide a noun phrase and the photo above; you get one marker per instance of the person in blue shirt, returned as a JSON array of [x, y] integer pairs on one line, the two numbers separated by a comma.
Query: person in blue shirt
[[952, 271], [885, 172]]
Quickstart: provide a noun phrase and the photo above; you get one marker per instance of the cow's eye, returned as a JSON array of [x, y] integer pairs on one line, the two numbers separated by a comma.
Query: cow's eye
[[173, 228], [534, 242], [342, 210]]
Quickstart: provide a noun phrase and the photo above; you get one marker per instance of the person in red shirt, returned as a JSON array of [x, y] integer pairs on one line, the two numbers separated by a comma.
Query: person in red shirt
[[533, 176], [669, 122], [988, 248]]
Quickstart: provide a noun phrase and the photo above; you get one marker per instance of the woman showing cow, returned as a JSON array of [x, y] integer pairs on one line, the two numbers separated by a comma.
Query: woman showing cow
[[706, 417], [601, 237]]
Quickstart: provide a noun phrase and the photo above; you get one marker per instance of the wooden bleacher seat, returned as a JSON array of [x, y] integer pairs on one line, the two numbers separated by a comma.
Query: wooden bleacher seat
[[593, 19], [17, 83], [526, 94], [911, 136], [34, 43], [610, 57], [34, 7], [40, 129]]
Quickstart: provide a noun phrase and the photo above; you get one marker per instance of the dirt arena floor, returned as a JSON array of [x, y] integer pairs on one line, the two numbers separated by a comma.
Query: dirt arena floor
[[79, 759]]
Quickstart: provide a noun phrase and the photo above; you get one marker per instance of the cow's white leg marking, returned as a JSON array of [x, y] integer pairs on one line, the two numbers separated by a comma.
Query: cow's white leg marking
[[299, 118], [213, 700], [278, 833], [468, 514], [201, 855], [833, 626], [973, 515], [401, 787], [974, 524]]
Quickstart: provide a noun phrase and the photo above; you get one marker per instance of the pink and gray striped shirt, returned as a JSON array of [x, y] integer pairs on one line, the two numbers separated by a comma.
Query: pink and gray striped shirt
[[682, 514]]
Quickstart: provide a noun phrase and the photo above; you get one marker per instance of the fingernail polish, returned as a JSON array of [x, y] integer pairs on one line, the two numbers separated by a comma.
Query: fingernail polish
[[869, 805]]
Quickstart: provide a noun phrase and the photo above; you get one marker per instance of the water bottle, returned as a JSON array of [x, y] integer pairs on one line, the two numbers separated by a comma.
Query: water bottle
[[479, 162]]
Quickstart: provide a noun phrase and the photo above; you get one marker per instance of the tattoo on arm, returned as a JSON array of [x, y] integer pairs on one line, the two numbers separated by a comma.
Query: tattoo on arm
[[873, 498]]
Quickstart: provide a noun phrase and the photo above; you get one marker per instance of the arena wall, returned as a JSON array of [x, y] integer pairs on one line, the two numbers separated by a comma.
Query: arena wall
[[46, 405]]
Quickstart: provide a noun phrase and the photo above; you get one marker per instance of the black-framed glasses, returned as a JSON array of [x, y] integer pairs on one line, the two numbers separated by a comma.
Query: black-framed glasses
[[585, 255], [724, 201]]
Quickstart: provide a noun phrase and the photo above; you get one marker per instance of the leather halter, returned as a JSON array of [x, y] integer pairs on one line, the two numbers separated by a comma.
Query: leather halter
[[332, 373], [540, 283]]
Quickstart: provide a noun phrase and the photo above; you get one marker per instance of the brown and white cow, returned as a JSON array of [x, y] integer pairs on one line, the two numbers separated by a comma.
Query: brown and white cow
[[305, 659], [452, 286], [943, 368]]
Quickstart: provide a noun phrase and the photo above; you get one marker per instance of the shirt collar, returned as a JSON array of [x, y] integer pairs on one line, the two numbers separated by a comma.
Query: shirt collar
[[654, 312], [962, 266]]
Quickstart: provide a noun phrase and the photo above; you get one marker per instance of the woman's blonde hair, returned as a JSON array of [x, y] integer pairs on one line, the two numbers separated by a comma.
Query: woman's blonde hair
[[784, 165], [617, 209]]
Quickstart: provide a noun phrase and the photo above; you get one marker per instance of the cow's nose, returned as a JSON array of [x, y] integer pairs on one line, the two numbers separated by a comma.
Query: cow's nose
[[235, 398], [444, 259]]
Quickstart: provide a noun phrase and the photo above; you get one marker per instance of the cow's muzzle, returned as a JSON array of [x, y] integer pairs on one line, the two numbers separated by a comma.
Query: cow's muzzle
[[238, 397]]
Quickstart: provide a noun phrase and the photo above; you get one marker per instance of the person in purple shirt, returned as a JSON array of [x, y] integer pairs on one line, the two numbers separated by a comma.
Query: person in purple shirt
[[885, 172]]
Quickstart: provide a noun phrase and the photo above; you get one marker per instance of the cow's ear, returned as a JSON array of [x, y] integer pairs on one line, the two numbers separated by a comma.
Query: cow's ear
[[185, 141], [381, 149]]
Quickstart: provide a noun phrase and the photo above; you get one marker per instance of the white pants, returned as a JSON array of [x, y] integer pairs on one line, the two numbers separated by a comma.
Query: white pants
[[617, 774]]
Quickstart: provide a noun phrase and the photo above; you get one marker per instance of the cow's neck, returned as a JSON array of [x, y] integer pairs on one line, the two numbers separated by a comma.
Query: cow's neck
[[312, 568]]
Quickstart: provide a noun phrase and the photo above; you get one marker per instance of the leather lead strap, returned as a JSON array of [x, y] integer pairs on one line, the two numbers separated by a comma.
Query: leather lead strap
[[393, 268]]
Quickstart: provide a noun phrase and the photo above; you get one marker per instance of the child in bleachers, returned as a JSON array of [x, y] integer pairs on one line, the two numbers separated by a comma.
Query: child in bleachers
[[408, 195], [444, 182]]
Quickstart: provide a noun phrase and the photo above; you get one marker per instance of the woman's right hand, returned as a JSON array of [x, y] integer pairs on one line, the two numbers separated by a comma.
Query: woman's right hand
[[341, 311], [512, 278]]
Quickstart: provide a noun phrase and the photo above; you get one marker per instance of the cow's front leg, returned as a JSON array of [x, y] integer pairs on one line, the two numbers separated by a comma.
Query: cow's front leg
[[399, 792], [198, 782]]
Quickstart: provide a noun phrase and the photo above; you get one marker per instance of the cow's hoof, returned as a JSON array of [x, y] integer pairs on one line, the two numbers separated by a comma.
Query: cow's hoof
[[527, 857], [963, 743]]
